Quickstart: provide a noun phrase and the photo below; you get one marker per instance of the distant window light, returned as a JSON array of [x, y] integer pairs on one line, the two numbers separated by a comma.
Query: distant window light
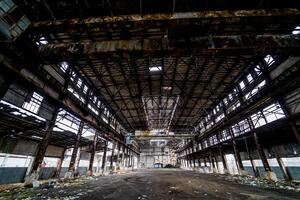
[[269, 60], [296, 31], [64, 66], [167, 88], [155, 69], [225, 101], [34, 104], [42, 41], [85, 89], [79, 83], [230, 97], [249, 78], [242, 85], [73, 76], [257, 70]]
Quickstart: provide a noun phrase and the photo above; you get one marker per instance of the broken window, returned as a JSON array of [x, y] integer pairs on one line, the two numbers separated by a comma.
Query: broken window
[[255, 90], [242, 85], [34, 103], [273, 112], [41, 41], [258, 119], [66, 122], [257, 70], [269, 60], [296, 31], [63, 66], [249, 78], [79, 83]]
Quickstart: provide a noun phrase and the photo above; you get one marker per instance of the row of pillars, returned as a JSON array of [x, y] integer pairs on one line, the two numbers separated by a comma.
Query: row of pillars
[[126, 159], [189, 161]]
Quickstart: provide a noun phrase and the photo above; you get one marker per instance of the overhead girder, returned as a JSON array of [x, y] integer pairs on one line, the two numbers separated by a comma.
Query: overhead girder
[[233, 45], [173, 18]]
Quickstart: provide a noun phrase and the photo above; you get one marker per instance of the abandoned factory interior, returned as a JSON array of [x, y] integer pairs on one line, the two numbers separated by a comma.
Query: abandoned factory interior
[[149, 99]]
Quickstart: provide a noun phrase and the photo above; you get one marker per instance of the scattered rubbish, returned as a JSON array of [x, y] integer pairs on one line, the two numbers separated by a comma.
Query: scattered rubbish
[[35, 184], [264, 183]]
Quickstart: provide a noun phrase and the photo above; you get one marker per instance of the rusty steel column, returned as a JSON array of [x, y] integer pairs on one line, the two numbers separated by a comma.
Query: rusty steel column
[[44, 143], [261, 153], [112, 155], [284, 171], [295, 131], [104, 158], [92, 157], [75, 149], [269, 174], [254, 168], [59, 164]]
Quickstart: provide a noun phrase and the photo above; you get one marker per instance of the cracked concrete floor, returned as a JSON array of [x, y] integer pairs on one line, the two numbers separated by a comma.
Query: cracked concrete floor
[[160, 184]]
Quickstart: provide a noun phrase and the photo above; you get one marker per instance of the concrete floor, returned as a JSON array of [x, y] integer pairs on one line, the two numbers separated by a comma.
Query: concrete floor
[[160, 184]]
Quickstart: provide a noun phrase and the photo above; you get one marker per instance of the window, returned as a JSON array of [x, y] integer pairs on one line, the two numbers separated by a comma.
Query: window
[[273, 112], [85, 89], [249, 78], [269, 60], [258, 119], [155, 68], [41, 41], [255, 90], [225, 101], [63, 66], [257, 70], [79, 83], [230, 97], [242, 85], [34, 104], [296, 31]]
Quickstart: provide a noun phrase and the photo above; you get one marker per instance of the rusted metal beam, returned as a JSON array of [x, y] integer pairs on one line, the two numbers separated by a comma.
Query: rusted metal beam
[[44, 143], [174, 16], [238, 45], [75, 149]]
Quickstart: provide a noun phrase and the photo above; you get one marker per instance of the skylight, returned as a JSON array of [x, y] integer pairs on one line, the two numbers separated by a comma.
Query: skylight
[[155, 68]]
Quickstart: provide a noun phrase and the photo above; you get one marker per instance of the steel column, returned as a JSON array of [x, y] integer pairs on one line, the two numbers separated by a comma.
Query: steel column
[[75, 149]]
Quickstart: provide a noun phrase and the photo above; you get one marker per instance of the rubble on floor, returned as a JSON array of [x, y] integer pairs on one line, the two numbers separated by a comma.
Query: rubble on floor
[[263, 183]]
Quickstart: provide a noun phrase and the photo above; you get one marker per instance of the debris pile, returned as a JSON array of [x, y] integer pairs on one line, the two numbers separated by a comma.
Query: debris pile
[[264, 183]]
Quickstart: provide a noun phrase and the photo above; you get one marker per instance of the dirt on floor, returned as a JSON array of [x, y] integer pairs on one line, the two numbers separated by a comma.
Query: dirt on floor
[[156, 184]]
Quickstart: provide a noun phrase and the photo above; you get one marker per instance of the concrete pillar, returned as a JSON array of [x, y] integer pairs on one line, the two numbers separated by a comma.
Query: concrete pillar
[[123, 156], [44, 143], [59, 164], [112, 155], [132, 156], [212, 163], [104, 158], [281, 164], [92, 157], [269, 174], [225, 166], [75, 149], [118, 155], [254, 168]]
